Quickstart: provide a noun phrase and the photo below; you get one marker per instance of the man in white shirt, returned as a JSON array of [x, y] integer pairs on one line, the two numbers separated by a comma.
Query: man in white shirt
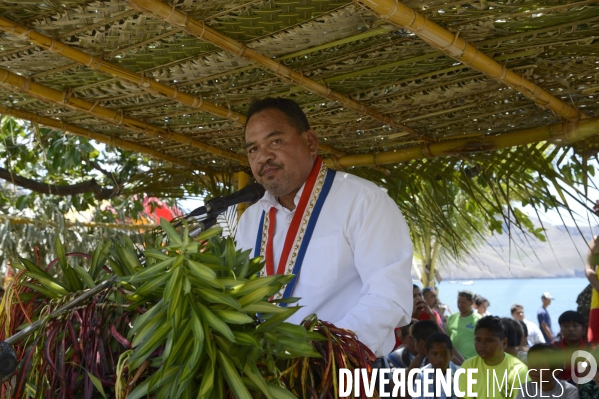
[[535, 336], [343, 236]]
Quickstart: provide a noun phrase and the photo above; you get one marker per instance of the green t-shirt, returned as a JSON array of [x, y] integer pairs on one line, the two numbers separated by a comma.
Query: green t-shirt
[[501, 381], [461, 332]]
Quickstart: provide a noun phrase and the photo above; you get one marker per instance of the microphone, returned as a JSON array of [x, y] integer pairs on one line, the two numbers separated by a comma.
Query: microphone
[[250, 193]]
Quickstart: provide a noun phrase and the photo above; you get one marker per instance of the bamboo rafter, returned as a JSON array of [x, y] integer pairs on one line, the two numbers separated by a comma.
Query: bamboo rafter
[[203, 32], [112, 116], [566, 132], [102, 138], [457, 48]]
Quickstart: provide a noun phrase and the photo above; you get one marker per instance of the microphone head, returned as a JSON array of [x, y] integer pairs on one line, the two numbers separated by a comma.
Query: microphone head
[[257, 191]]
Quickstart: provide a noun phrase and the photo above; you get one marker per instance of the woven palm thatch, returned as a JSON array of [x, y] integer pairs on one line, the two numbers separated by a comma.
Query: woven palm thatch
[[381, 81]]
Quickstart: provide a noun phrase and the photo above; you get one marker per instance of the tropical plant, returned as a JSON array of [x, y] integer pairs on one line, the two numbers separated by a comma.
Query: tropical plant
[[192, 320]]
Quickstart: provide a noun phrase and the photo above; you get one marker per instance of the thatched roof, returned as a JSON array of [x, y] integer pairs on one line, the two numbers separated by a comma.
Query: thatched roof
[[399, 80]]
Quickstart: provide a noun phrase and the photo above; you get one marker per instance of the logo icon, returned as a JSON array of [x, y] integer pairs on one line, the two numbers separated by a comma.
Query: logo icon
[[585, 366]]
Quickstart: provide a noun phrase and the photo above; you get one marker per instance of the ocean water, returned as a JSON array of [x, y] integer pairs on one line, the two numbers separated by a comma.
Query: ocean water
[[503, 293]]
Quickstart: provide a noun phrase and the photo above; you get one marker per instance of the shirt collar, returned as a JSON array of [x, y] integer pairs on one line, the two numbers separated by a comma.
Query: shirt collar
[[269, 200]]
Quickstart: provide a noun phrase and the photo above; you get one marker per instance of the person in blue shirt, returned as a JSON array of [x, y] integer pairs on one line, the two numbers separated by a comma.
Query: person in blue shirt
[[439, 350], [544, 318]]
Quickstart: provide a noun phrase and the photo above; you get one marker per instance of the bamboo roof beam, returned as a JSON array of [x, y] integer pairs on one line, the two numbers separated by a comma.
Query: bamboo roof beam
[[102, 138], [451, 44], [65, 98], [566, 132], [204, 32]]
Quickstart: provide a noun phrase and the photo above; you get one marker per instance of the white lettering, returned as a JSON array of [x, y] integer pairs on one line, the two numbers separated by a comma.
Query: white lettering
[[357, 382], [534, 384], [427, 379], [383, 382], [503, 380], [443, 383], [517, 377], [411, 391], [345, 388], [558, 382], [457, 385], [369, 385], [399, 382], [471, 382]]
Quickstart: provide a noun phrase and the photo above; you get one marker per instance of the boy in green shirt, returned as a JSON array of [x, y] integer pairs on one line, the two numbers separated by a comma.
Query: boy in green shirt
[[499, 374], [460, 325]]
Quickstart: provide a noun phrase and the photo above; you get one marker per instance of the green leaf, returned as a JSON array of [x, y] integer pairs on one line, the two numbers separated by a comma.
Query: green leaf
[[97, 383]]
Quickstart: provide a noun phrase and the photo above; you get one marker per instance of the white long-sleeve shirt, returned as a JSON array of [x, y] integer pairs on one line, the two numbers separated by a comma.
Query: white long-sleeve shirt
[[356, 271]]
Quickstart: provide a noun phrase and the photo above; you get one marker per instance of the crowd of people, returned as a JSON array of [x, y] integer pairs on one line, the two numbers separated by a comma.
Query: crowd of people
[[532, 361]]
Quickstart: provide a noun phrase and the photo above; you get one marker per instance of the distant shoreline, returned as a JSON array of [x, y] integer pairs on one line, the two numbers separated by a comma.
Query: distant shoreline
[[509, 278]]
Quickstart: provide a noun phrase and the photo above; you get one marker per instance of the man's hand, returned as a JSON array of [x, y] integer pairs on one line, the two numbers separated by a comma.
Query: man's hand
[[547, 331]]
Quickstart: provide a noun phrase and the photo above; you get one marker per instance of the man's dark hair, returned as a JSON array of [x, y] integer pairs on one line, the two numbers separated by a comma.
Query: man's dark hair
[[479, 300], [439, 338], [513, 331], [466, 294], [290, 108], [423, 329], [493, 324], [571, 316], [515, 307], [414, 286], [548, 352]]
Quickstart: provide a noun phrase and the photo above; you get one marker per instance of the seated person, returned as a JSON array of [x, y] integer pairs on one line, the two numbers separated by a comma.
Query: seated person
[[421, 331], [481, 304], [506, 373], [513, 334], [430, 296], [439, 351], [573, 337], [422, 310], [405, 353], [544, 363]]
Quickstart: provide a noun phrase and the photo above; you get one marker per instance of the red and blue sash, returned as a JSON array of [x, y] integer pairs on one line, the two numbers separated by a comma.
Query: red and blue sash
[[300, 230]]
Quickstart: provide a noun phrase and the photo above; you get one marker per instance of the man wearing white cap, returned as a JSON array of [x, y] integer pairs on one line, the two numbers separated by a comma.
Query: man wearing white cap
[[544, 318]]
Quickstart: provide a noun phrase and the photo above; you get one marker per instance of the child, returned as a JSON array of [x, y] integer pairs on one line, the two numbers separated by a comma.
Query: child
[[404, 354], [421, 331], [572, 331], [438, 351], [544, 361], [505, 373]]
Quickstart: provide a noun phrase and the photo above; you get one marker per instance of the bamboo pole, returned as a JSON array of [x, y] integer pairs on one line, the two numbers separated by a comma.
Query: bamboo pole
[[112, 141], [112, 116], [203, 32], [566, 132], [243, 180], [119, 226], [451, 44]]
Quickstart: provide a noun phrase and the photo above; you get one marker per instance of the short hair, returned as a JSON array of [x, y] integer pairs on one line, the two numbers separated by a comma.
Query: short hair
[[427, 289], [571, 316], [479, 300], [513, 331], [290, 108], [439, 338], [515, 307], [405, 330], [414, 286], [547, 352], [466, 294], [423, 329], [493, 324]]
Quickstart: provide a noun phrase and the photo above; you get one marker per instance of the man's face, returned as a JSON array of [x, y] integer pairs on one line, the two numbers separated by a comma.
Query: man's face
[[464, 305], [430, 296], [439, 355], [417, 296], [546, 302], [281, 158], [487, 345], [519, 314], [572, 331]]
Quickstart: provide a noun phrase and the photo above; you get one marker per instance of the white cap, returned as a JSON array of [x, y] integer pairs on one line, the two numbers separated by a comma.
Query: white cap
[[547, 295]]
